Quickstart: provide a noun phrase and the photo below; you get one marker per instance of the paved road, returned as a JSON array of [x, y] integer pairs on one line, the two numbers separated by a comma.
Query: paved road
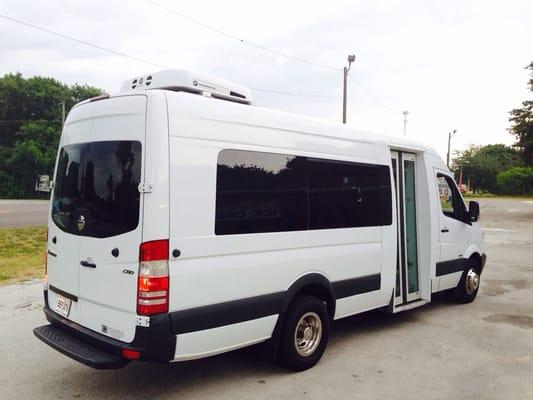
[[23, 212], [441, 351]]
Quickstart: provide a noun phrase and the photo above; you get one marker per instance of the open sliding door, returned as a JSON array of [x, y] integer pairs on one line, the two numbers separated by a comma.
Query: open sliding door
[[407, 265]]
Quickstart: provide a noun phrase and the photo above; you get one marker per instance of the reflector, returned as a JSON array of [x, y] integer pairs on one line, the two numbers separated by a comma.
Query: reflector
[[131, 354]]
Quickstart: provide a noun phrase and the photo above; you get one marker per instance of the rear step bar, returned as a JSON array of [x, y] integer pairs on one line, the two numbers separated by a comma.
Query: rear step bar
[[77, 349]]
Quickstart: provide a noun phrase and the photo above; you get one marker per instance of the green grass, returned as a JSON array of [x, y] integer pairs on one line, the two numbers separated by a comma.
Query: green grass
[[497, 196], [22, 253], [479, 195]]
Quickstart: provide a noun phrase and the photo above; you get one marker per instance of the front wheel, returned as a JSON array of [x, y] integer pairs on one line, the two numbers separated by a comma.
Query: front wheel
[[466, 290], [305, 333]]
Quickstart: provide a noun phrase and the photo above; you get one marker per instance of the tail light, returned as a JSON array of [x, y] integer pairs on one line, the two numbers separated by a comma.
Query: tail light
[[152, 293]]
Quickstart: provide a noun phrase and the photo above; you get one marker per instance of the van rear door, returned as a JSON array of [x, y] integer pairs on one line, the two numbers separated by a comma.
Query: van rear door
[[96, 200]]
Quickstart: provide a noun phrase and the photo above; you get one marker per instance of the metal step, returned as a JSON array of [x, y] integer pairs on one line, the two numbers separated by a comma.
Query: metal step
[[409, 306], [77, 349]]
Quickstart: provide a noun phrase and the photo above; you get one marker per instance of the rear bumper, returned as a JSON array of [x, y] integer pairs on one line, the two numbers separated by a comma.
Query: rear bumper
[[154, 343], [77, 349]]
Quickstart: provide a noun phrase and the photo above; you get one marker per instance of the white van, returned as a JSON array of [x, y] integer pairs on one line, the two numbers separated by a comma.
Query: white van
[[186, 222]]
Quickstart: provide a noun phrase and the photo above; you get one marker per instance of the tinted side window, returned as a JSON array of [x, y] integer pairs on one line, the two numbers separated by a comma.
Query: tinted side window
[[260, 192], [344, 195], [450, 201]]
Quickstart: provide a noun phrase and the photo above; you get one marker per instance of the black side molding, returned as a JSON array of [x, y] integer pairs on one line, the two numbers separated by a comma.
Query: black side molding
[[451, 266], [233, 312], [351, 287], [457, 265], [78, 349], [230, 312]]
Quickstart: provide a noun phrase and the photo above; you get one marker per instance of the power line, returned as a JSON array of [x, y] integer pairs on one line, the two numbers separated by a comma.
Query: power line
[[241, 40], [82, 41], [369, 93], [61, 35], [260, 47], [296, 94], [138, 59]]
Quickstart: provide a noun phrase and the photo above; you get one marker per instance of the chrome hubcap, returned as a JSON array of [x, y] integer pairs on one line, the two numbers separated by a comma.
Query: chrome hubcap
[[472, 281], [308, 334]]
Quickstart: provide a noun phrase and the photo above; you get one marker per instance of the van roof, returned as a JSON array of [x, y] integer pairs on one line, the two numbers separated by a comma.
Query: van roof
[[186, 83], [205, 108]]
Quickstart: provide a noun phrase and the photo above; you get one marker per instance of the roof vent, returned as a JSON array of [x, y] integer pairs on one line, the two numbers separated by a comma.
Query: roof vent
[[187, 81]]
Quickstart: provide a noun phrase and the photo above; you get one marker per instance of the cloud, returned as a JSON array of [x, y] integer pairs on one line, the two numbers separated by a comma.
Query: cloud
[[453, 65]]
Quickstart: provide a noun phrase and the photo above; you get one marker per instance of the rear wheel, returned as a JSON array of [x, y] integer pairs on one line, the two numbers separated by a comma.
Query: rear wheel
[[305, 333], [466, 290]]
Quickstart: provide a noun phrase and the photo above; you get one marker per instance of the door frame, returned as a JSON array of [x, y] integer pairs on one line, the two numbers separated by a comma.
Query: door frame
[[404, 296]]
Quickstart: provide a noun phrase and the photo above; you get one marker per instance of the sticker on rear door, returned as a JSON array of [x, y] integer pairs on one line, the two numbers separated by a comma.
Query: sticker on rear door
[[63, 305], [116, 333]]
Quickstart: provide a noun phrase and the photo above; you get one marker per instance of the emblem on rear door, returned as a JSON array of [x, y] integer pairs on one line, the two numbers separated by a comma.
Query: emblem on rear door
[[81, 223]]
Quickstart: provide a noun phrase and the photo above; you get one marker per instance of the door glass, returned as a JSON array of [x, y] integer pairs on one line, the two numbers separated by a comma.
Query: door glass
[[450, 200], [410, 226], [445, 196], [96, 188]]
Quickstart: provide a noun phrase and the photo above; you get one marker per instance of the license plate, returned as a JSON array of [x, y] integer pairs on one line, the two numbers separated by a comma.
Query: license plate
[[63, 305]]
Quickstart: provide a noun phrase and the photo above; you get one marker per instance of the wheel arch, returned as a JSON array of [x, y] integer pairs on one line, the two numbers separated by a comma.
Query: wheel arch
[[314, 284], [474, 253]]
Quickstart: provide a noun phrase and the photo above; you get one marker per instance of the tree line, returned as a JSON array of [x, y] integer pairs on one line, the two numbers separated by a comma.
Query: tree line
[[30, 127], [501, 169]]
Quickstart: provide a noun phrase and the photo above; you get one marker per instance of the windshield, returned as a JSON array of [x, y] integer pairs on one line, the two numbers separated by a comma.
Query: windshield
[[96, 191]]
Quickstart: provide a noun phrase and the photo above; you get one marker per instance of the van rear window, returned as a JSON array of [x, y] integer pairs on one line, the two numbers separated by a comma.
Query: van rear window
[[95, 191]]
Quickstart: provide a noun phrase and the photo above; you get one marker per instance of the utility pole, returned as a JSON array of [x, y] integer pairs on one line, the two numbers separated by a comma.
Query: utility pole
[[351, 59], [405, 113], [450, 135], [62, 115]]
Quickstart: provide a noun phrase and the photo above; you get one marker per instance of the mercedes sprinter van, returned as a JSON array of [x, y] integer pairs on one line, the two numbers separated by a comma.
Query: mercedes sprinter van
[[185, 222]]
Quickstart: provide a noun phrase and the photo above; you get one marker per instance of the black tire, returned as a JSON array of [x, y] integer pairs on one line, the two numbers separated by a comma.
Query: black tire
[[465, 292], [290, 354]]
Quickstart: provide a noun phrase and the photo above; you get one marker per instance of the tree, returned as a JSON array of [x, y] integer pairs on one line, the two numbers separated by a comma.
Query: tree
[[482, 164], [522, 124], [30, 127], [516, 180]]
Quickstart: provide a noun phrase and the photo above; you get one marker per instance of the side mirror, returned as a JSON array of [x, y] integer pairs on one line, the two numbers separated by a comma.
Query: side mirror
[[473, 210]]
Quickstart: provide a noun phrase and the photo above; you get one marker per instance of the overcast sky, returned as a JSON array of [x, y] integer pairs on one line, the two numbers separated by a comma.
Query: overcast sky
[[452, 64]]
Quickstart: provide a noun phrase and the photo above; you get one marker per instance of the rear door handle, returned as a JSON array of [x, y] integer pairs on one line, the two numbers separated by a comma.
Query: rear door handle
[[444, 230], [87, 264]]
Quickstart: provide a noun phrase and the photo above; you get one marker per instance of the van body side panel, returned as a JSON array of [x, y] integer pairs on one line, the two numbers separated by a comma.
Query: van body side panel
[[388, 234], [214, 269], [208, 342], [425, 223], [434, 210], [156, 211]]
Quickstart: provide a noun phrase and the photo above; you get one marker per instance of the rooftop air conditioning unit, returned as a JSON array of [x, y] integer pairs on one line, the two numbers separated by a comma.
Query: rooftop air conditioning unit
[[188, 81]]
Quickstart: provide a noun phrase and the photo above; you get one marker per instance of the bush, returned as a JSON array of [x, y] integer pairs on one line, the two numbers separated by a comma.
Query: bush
[[516, 180]]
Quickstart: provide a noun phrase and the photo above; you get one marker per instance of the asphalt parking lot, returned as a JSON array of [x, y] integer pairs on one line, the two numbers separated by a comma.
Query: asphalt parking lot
[[482, 350]]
